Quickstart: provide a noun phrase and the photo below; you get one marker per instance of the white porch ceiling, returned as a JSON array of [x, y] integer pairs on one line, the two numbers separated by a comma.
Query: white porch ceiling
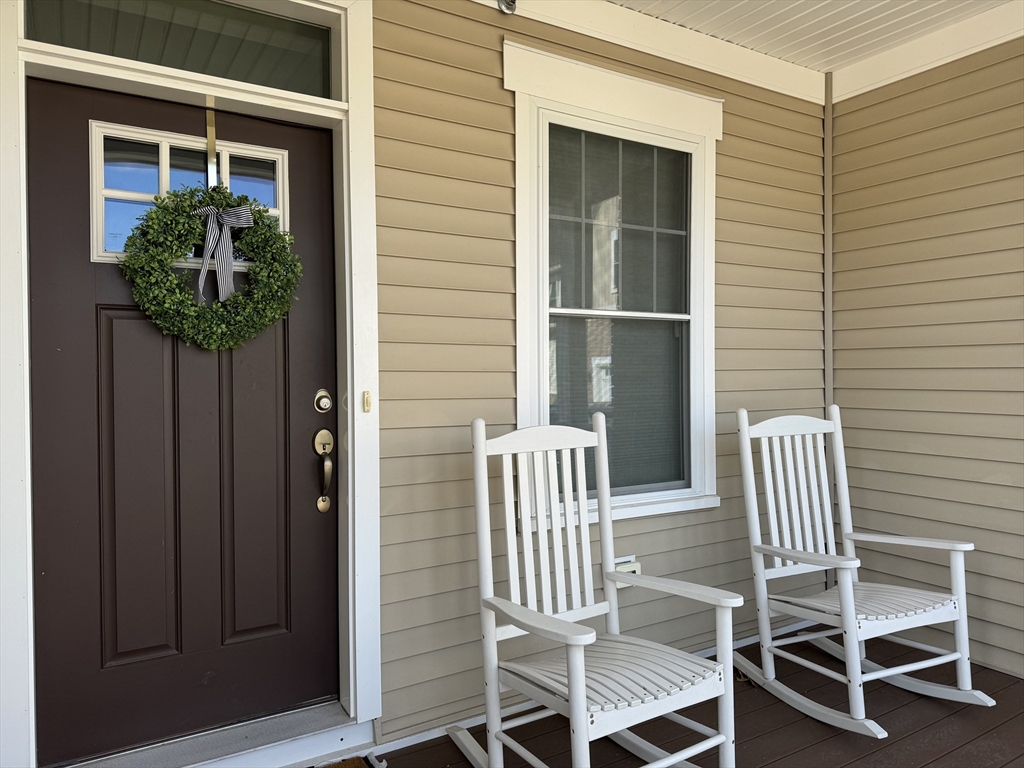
[[823, 35]]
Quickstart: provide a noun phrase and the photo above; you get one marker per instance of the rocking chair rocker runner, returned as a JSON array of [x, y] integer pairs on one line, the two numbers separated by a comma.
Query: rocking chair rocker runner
[[604, 683], [800, 539]]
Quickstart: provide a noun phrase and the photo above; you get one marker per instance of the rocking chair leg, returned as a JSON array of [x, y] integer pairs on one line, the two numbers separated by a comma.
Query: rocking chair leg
[[726, 713], [855, 685], [764, 632], [492, 697], [960, 638], [962, 645], [851, 646], [579, 731]]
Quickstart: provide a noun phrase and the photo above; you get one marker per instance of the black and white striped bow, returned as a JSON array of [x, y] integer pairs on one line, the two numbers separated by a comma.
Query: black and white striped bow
[[218, 244]]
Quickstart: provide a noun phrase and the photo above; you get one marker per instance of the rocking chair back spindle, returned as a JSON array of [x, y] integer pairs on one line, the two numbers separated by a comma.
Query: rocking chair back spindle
[[544, 506], [798, 502]]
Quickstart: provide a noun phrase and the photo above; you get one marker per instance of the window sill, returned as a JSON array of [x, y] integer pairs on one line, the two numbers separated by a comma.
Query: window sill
[[650, 504]]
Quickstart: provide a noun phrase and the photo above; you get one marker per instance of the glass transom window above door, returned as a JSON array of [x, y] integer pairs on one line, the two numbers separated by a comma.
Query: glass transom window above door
[[618, 300], [130, 166], [203, 36]]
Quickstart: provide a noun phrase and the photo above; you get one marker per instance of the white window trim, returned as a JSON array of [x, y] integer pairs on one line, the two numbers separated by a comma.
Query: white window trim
[[549, 86], [165, 140], [349, 114]]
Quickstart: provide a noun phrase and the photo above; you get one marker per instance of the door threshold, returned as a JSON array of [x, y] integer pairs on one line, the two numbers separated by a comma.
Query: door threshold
[[298, 735]]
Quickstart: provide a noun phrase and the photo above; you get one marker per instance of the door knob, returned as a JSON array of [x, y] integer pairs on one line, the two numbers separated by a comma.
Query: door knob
[[323, 444]]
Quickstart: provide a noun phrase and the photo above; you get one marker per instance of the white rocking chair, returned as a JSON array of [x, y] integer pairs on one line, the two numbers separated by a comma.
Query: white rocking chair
[[610, 682], [801, 539]]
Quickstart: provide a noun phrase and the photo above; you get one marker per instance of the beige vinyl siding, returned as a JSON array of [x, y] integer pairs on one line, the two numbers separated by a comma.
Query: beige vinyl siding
[[929, 303], [445, 185]]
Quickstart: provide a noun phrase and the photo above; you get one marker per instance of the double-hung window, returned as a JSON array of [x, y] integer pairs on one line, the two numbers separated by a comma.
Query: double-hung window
[[615, 285]]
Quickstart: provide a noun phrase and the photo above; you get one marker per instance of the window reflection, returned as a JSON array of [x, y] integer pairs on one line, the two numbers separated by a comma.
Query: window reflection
[[604, 261], [257, 179], [131, 165], [119, 219], [188, 168]]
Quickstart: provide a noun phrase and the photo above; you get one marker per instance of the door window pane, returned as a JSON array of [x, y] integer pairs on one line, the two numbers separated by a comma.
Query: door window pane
[[131, 165], [119, 219], [204, 36], [188, 168], [255, 179]]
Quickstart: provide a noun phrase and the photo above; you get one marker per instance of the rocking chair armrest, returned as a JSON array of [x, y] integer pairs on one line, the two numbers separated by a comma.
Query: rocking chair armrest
[[911, 541], [711, 595], [537, 623], [807, 558]]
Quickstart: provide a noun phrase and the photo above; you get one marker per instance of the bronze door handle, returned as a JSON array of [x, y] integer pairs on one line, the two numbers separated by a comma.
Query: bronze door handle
[[328, 466], [323, 444]]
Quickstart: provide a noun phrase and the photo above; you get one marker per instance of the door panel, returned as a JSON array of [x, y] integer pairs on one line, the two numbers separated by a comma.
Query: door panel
[[184, 578], [137, 471]]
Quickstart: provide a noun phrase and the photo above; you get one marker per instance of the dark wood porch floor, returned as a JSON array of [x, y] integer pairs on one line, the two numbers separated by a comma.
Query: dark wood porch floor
[[922, 731]]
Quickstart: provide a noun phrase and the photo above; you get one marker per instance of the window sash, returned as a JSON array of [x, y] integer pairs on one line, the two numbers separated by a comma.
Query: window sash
[[587, 170], [644, 394]]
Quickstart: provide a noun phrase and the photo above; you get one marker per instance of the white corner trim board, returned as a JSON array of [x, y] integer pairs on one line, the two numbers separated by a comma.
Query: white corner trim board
[[361, 263], [1002, 23], [615, 24], [17, 694]]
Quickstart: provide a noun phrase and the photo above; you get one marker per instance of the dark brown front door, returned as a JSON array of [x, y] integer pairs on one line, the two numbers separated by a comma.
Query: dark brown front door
[[184, 578]]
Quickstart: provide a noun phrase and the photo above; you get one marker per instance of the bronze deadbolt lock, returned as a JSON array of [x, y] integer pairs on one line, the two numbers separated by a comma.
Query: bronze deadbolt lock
[[323, 402]]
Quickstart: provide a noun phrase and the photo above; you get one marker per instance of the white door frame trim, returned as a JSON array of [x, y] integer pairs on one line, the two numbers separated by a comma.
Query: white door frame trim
[[351, 120]]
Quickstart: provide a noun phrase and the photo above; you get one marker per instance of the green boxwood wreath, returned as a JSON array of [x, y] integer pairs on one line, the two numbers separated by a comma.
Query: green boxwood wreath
[[168, 233]]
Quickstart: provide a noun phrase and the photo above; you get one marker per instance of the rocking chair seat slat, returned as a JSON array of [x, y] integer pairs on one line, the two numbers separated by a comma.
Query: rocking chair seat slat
[[621, 671], [874, 602], [631, 692]]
